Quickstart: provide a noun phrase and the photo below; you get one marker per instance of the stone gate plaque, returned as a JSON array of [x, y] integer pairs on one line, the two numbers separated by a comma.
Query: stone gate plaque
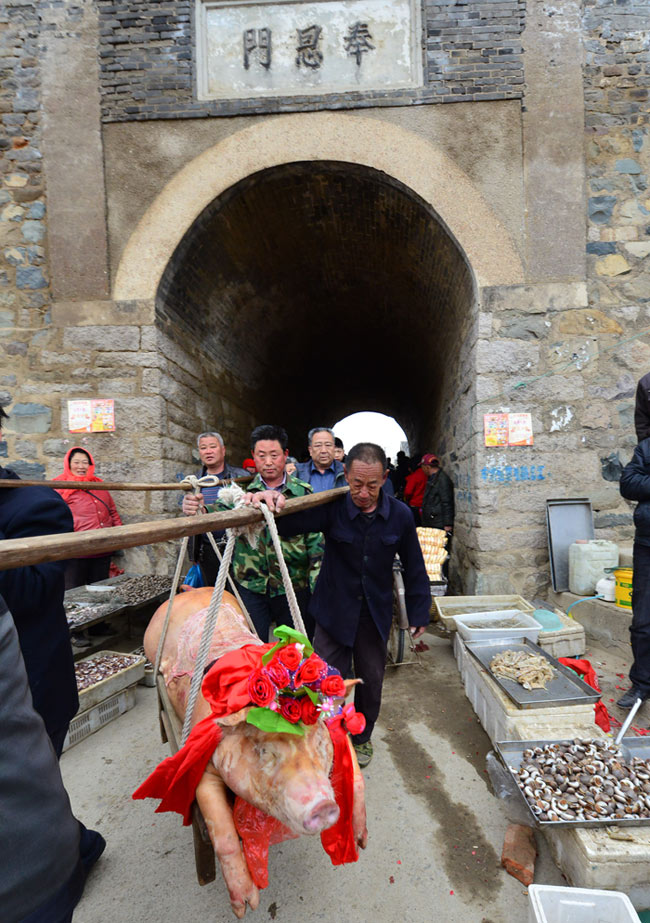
[[274, 48]]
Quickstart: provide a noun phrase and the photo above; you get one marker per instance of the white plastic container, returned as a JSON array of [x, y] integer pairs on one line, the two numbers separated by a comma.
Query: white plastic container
[[86, 723], [446, 607], [549, 904], [475, 626], [587, 563]]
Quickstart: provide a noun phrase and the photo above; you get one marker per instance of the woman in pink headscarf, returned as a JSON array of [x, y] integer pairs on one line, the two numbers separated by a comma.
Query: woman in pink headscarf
[[90, 510]]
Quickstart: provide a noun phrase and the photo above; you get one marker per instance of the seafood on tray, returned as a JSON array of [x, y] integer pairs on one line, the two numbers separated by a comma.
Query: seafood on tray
[[532, 671], [584, 780]]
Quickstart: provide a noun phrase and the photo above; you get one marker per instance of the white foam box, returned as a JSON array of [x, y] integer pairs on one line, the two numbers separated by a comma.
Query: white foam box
[[86, 723], [568, 641], [608, 858], [551, 904], [503, 720], [446, 607]]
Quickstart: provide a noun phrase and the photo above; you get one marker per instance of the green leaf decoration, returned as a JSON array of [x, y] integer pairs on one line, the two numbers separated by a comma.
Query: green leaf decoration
[[272, 722], [312, 695], [266, 658]]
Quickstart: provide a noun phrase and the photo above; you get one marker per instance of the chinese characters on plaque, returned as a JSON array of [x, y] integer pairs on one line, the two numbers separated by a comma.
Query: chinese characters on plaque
[[308, 54], [306, 47], [507, 429]]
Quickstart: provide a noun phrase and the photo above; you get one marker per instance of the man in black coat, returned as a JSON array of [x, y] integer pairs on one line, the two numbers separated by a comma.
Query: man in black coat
[[438, 500], [635, 485], [34, 595], [642, 408]]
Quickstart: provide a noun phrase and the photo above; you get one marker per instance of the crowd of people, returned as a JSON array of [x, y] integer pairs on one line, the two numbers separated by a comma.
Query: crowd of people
[[339, 555]]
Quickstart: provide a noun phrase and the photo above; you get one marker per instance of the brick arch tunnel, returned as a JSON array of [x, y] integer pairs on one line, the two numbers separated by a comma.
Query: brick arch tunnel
[[316, 289]]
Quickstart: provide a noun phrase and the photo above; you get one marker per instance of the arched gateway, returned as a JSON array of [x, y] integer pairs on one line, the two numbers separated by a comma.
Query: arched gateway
[[317, 265]]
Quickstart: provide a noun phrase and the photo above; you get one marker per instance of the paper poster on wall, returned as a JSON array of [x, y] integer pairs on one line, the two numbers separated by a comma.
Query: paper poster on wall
[[520, 429], [495, 428], [91, 416]]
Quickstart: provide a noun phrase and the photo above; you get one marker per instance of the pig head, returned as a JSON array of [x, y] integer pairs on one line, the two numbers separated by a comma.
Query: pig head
[[285, 776]]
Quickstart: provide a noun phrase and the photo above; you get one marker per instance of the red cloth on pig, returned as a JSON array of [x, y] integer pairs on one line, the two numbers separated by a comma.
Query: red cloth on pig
[[258, 831], [339, 841], [585, 669], [225, 687]]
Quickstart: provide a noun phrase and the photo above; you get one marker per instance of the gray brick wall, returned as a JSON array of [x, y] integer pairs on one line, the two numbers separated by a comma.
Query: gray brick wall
[[471, 51]]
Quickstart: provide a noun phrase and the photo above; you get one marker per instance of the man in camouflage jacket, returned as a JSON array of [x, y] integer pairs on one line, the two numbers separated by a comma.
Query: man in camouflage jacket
[[255, 568]]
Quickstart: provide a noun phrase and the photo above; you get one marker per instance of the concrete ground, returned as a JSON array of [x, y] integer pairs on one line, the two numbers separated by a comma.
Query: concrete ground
[[436, 830]]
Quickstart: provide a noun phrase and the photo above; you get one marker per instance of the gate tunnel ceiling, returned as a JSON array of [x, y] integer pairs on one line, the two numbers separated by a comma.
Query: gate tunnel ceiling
[[323, 288]]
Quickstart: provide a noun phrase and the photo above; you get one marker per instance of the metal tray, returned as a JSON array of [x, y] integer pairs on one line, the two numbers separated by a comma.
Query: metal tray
[[511, 754], [564, 689]]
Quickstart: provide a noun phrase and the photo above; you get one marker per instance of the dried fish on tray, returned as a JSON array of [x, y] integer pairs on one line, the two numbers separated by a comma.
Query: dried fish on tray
[[95, 669], [531, 670], [136, 590], [582, 783], [79, 614], [564, 688], [105, 673]]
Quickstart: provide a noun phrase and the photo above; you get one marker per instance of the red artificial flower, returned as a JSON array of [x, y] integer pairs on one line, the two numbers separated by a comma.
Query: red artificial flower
[[290, 656], [333, 685], [278, 673], [261, 689], [310, 712], [290, 709], [353, 721], [311, 670]]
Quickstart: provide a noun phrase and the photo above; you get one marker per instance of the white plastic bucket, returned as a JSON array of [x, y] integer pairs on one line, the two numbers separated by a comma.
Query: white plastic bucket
[[587, 563]]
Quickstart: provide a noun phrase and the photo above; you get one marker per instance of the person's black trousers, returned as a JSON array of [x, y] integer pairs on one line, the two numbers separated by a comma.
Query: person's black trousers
[[640, 627], [369, 653]]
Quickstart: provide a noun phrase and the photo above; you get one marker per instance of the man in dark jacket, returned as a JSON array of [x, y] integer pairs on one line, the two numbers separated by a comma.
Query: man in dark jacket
[[642, 408], [34, 595], [212, 453], [438, 500], [322, 470], [352, 600], [635, 485]]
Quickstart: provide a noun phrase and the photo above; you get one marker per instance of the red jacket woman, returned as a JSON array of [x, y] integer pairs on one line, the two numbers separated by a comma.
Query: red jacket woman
[[90, 510], [414, 492]]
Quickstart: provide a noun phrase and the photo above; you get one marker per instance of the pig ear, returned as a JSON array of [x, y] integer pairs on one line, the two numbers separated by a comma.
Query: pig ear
[[350, 684], [236, 718]]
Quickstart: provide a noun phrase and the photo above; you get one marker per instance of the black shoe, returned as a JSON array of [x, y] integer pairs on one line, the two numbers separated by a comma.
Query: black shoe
[[91, 845], [629, 698]]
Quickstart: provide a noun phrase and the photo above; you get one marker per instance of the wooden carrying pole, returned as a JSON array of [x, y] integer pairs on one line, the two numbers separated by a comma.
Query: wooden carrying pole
[[39, 549], [109, 485]]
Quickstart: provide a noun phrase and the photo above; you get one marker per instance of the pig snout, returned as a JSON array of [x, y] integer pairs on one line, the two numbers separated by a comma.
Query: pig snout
[[321, 817]]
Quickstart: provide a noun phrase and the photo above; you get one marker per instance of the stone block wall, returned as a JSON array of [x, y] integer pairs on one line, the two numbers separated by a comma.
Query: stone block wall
[[24, 284], [617, 153], [471, 51]]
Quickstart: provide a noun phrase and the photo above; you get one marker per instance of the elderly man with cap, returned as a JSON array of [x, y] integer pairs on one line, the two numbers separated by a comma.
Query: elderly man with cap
[[438, 500]]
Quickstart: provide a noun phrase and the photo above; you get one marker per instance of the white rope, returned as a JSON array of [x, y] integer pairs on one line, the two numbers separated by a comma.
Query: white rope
[[206, 636], [217, 595], [294, 608], [233, 585]]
